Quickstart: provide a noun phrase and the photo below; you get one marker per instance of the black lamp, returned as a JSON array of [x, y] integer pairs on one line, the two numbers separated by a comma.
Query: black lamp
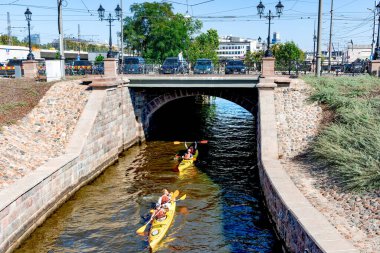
[[28, 16], [110, 19], [260, 11]]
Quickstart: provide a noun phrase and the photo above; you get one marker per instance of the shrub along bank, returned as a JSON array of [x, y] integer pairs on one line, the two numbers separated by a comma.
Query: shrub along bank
[[349, 146]]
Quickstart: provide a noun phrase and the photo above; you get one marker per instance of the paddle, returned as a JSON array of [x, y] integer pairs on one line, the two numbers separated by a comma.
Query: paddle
[[181, 198], [142, 229], [201, 142]]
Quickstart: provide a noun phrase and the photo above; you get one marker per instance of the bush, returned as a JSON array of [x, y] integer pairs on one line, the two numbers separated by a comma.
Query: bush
[[350, 146]]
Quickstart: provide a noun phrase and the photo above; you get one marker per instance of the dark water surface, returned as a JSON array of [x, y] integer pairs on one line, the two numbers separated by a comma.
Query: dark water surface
[[223, 210]]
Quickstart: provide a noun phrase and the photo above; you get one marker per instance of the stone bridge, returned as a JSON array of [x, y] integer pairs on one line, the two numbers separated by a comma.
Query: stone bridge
[[148, 94]]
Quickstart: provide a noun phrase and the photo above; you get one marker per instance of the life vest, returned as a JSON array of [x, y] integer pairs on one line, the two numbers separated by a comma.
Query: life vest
[[160, 214], [164, 199]]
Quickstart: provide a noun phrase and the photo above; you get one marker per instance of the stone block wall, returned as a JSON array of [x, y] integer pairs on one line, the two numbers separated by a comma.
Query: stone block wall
[[297, 119], [107, 126]]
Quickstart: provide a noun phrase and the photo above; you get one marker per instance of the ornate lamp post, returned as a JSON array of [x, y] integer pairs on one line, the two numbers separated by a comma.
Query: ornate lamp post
[[377, 50], [269, 16], [28, 16], [110, 19]]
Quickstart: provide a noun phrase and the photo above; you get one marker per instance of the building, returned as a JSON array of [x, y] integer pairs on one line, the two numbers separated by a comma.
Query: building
[[236, 48], [34, 39], [336, 56], [12, 52], [276, 38], [354, 52]]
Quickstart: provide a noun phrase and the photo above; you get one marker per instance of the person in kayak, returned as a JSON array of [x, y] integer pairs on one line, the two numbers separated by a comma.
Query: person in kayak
[[159, 213], [165, 199], [188, 155]]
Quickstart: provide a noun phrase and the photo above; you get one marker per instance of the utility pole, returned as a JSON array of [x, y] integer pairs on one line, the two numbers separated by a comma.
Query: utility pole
[[373, 31], [331, 25], [60, 31], [9, 30], [121, 33], [78, 42], [314, 41], [319, 38]]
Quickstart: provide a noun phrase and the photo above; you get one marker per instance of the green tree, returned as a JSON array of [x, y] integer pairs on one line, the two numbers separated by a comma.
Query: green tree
[[15, 42], [99, 58], [253, 59], [156, 32], [287, 53], [204, 46]]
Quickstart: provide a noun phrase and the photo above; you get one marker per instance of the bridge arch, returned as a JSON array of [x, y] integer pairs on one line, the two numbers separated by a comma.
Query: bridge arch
[[246, 98]]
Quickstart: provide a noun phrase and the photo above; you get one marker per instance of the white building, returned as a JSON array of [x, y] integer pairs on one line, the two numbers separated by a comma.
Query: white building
[[354, 52], [236, 48], [12, 52]]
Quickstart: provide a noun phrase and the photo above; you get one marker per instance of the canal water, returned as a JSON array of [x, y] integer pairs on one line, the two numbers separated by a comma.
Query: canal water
[[223, 211]]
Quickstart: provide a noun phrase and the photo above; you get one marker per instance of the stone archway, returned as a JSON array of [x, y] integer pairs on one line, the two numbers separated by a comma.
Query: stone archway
[[150, 100]]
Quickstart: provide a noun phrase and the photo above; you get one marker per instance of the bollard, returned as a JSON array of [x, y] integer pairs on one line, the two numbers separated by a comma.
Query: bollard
[[18, 73]]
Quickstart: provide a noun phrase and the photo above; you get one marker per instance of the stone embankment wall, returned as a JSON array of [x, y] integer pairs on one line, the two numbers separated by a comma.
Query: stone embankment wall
[[298, 119], [43, 133], [302, 227], [106, 126]]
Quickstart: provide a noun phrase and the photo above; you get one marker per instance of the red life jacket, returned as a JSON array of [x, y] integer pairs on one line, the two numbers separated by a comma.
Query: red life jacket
[[164, 199], [160, 214]]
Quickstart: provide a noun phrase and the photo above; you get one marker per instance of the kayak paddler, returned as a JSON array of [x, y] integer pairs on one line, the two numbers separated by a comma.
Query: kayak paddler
[[165, 199]]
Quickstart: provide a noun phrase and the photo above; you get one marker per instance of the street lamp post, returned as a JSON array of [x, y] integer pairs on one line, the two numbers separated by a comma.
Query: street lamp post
[[259, 40], [377, 50], [110, 19], [269, 16], [28, 16]]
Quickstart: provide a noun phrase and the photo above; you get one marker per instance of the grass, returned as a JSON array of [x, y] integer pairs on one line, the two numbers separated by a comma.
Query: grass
[[18, 97], [349, 146], [8, 107]]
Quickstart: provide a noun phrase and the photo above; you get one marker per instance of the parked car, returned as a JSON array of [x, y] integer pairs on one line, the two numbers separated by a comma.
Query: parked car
[[235, 66], [134, 65], [204, 66], [15, 62], [172, 65], [9, 70]]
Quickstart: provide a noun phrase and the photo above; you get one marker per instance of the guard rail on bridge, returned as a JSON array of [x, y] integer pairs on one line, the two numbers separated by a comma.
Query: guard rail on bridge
[[192, 81]]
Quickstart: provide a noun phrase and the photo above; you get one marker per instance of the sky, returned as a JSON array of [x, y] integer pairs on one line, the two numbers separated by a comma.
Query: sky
[[352, 19]]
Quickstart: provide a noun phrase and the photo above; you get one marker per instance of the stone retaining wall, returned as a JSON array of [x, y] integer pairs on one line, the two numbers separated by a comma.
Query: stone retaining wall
[[297, 118], [298, 223], [106, 126]]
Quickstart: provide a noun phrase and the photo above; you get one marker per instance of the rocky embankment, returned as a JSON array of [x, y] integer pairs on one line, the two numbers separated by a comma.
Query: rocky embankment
[[43, 133], [356, 216]]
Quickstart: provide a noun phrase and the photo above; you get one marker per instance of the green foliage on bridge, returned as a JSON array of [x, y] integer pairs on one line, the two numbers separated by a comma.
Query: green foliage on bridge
[[287, 54], [349, 146], [155, 32], [204, 46]]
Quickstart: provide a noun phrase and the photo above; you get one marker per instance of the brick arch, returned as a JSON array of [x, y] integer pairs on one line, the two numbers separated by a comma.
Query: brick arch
[[244, 98]]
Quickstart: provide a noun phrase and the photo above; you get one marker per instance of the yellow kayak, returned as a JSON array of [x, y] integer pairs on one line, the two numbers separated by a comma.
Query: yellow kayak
[[160, 228], [187, 163]]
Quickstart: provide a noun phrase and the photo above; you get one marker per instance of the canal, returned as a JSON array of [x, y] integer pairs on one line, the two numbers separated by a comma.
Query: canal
[[223, 211]]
